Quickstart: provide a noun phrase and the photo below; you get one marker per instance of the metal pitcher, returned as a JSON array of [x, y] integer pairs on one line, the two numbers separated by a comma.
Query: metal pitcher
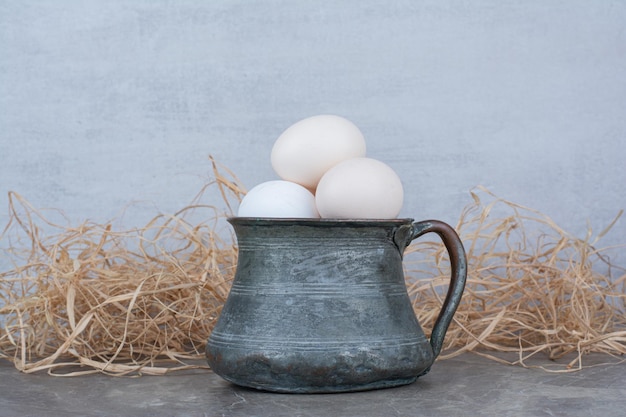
[[320, 305]]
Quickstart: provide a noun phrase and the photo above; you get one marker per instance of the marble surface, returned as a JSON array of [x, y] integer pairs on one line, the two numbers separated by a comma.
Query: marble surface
[[468, 385]]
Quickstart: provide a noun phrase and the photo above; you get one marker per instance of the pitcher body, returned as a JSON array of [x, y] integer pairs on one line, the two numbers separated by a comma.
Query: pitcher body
[[319, 306]]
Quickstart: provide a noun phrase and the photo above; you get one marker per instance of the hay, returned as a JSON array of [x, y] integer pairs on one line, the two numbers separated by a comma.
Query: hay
[[532, 288], [89, 299], [140, 301]]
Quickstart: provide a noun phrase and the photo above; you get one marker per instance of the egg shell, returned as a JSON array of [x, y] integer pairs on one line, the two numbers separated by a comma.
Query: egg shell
[[360, 188], [278, 199], [310, 147]]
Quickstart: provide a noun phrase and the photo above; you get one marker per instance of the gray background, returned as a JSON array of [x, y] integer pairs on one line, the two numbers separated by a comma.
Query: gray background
[[110, 109]]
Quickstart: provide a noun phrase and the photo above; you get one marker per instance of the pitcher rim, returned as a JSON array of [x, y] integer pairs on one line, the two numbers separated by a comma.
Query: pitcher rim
[[317, 221]]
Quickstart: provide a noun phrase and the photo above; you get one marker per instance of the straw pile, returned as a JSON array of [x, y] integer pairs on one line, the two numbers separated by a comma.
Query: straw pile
[[90, 299], [532, 288], [140, 301]]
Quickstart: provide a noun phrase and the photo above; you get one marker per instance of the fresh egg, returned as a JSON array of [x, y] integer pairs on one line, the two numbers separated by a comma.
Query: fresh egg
[[310, 147], [278, 199], [360, 188]]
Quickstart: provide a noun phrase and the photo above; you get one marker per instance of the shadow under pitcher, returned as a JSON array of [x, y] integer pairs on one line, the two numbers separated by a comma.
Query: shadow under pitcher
[[321, 305]]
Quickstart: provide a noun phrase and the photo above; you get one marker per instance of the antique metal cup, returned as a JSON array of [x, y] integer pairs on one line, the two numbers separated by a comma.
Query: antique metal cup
[[320, 305]]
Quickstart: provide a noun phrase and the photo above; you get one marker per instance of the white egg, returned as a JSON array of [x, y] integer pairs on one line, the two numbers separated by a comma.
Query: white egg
[[360, 188], [310, 147], [278, 199]]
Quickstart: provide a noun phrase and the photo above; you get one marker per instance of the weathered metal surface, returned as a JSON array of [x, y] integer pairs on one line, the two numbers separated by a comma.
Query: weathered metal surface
[[321, 306]]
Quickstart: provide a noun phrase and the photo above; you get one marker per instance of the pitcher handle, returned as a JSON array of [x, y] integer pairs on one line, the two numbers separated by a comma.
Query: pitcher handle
[[458, 275]]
